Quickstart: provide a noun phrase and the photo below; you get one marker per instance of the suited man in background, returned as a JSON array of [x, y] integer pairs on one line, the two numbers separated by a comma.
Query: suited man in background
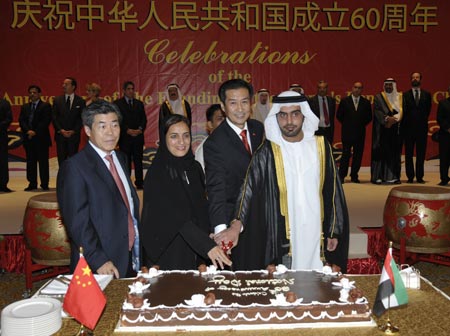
[[227, 153], [5, 121], [354, 113], [99, 205], [133, 126], [324, 108], [443, 120], [34, 120], [66, 117], [414, 127]]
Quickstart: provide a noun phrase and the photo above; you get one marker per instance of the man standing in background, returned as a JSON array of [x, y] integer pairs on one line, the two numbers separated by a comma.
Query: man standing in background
[[324, 108], [34, 119], [262, 105], [66, 117], [414, 127], [443, 119], [5, 121], [174, 103], [134, 122], [354, 113]]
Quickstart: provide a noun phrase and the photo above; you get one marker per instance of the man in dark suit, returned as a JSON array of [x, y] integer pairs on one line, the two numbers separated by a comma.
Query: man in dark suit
[[227, 154], [324, 108], [66, 117], [443, 119], [5, 121], [414, 127], [132, 131], [34, 119], [354, 113], [99, 205]]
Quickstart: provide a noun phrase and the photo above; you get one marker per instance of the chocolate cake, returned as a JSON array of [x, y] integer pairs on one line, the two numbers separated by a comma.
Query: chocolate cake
[[193, 300]]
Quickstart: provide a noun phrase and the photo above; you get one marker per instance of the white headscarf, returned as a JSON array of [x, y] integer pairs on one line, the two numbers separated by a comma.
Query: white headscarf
[[393, 97], [176, 105], [261, 111], [289, 98]]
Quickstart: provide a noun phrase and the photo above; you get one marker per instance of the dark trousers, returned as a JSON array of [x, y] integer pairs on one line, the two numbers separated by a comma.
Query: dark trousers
[[4, 173], [444, 155], [133, 147], [419, 141], [358, 148], [66, 147], [37, 153]]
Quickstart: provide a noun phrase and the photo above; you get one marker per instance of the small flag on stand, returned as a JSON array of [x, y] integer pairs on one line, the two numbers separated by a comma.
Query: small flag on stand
[[84, 300], [391, 290]]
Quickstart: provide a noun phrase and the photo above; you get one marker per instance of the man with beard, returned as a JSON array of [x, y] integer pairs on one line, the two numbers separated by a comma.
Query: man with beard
[[174, 103], [414, 127], [292, 182], [262, 105], [324, 108], [386, 143]]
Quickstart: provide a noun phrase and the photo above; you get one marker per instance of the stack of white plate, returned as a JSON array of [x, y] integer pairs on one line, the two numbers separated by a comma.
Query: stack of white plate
[[32, 317]]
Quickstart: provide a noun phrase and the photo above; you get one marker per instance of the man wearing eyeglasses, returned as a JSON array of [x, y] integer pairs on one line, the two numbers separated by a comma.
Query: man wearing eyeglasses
[[293, 187], [354, 113]]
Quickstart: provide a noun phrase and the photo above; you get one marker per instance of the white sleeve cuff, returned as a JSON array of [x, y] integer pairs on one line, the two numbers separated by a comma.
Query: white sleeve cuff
[[220, 228]]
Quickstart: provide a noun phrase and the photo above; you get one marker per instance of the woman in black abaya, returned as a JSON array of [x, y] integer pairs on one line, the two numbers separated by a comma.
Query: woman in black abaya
[[174, 226]]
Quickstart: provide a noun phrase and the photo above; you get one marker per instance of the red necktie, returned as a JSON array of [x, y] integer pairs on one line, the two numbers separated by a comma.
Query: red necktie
[[116, 177], [245, 141], [326, 116]]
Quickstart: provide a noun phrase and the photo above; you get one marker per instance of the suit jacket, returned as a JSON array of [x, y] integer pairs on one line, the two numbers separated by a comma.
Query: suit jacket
[[132, 118], [443, 115], [353, 121], [67, 119], [93, 211], [40, 122], [415, 118], [5, 118], [226, 163], [314, 103]]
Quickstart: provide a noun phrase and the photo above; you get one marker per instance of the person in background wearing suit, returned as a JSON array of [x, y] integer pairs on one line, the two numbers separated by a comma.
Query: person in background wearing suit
[[34, 119], [66, 117], [5, 121], [227, 153], [414, 127], [132, 131], [354, 113], [443, 119], [99, 205], [324, 107]]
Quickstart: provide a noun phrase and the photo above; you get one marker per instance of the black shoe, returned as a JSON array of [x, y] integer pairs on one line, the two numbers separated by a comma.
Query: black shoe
[[45, 188], [421, 181], [398, 182], [30, 188], [5, 189], [356, 180], [409, 181], [442, 183], [139, 187]]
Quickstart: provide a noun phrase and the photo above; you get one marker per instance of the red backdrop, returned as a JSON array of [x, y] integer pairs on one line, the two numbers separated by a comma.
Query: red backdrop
[[199, 44]]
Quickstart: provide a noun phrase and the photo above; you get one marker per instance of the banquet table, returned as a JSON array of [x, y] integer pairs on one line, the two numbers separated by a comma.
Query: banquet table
[[427, 313]]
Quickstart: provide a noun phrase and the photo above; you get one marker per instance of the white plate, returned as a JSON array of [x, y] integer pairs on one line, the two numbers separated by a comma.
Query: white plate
[[56, 287], [31, 308]]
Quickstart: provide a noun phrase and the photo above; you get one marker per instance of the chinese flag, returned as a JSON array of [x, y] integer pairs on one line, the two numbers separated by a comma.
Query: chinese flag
[[84, 300]]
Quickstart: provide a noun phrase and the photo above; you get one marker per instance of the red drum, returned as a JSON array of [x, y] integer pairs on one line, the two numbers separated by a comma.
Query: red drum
[[44, 233], [421, 215]]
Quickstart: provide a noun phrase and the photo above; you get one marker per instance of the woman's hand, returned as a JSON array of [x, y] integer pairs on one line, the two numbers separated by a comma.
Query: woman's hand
[[217, 256]]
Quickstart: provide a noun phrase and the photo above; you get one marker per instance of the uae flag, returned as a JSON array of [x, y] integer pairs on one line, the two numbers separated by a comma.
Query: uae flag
[[391, 290], [84, 300]]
